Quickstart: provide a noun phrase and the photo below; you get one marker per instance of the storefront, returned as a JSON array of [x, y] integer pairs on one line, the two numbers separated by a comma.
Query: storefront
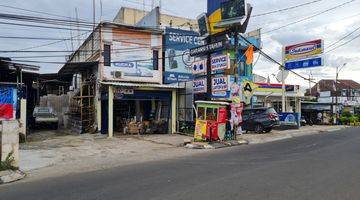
[[134, 108]]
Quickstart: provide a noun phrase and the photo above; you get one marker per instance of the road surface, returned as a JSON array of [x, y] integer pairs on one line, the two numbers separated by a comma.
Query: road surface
[[324, 166]]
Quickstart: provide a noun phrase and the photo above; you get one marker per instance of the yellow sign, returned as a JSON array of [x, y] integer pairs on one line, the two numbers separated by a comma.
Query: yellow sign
[[248, 89], [200, 130]]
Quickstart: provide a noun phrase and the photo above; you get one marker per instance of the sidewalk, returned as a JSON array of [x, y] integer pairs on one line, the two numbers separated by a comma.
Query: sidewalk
[[286, 134], [57, 154]]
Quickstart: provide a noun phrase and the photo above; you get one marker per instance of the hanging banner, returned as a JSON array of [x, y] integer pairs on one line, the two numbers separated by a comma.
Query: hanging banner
[[8, 99], [220, 62], [199, 67], [200, 86]]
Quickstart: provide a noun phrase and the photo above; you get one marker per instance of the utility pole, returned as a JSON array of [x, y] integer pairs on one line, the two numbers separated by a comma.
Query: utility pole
[[310, 79], [336, 88], [101, 10], [283, 98], [94, 13], [78, 26]]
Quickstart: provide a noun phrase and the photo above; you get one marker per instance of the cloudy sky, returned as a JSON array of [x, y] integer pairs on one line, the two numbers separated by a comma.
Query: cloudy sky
[[333, 20]]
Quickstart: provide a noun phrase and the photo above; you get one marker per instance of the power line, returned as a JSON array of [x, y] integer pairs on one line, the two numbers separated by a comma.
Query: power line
[[333, 49], [286, 9], [312, 16], [341, 39], [38, 12]]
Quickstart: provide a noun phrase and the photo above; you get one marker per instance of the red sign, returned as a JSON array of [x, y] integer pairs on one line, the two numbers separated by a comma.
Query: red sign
[[222, 115], [6, 111]]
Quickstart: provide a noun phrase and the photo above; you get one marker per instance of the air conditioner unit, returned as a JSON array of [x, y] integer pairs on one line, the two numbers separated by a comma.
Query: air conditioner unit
[[117, 74]]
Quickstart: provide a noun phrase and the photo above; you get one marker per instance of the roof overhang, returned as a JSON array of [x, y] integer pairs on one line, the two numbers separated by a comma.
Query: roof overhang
[[25, 68], [143, 85], [76, 67]]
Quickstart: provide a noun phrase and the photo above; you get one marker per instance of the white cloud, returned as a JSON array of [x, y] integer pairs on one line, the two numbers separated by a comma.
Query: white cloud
[[330, 26]]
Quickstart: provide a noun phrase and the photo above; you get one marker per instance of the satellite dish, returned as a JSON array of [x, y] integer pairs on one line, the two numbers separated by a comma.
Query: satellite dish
[[282, 73]]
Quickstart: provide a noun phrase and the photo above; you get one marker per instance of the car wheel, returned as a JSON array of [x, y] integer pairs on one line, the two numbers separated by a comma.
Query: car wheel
[[268, 130], [56, 126], [259, 128]]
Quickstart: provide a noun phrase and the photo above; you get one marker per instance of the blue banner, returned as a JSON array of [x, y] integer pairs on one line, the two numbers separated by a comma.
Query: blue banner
[[290, 119], [178, 61], [312, 62]]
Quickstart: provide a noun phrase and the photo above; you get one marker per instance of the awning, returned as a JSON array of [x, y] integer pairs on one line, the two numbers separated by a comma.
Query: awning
[[143, 85]]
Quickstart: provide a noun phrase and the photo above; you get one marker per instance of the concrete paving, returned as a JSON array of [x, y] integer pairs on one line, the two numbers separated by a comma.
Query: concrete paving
[[321, 166]]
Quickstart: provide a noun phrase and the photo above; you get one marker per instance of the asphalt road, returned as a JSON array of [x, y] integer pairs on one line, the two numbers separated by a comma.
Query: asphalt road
[[325, 166]]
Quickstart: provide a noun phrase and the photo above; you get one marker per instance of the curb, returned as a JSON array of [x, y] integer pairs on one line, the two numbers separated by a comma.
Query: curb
[[10, 176], [215, 145], [291, 135]]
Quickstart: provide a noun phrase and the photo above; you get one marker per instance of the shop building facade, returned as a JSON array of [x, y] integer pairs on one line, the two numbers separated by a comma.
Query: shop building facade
[[119, 70]]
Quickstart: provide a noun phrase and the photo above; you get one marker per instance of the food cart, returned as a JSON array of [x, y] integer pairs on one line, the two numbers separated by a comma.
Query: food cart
[[211, 120]]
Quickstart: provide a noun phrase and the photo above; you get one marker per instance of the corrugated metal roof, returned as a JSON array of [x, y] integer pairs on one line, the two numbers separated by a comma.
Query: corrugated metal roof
[[143, 85]]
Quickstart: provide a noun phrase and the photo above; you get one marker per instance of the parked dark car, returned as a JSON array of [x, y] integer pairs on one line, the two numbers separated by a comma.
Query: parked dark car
[[260, 119]]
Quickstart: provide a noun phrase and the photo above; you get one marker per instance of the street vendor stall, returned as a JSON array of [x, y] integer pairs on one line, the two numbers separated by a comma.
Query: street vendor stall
[[211, 120]]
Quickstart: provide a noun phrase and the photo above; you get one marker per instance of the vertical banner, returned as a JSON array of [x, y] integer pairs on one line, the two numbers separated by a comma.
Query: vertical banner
[[7, 102]]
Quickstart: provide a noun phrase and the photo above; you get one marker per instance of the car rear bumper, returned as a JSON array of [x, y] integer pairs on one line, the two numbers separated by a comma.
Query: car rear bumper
[[46, 120]]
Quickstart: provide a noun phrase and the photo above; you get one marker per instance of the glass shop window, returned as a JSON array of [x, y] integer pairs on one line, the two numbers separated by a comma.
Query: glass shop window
[[201, 113], [211, 114]]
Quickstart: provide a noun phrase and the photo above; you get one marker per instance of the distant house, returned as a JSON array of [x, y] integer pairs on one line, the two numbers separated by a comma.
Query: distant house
[[334, 96], [343, 88]]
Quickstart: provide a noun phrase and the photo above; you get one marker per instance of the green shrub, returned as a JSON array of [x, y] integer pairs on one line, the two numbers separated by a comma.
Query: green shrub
[[344, 120], [353, 119]]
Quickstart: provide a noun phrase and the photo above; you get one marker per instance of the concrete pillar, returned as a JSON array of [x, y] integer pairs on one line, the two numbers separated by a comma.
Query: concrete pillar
[[23, 111], [111, 112], [9, 141], [173, 112]]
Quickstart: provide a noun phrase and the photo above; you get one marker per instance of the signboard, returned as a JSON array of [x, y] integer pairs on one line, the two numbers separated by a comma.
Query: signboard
[[248, 88], [233, 9], [275, 88], [203, 23], [254, 37], [178, 60], [290, 118], [200, 86], [219, 83], [222, 87], [312, 62], [200, 130], [208, 48], [303, 50], [139, 65], [304, 55], [220, 62], [199, 67], [224, 10]]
